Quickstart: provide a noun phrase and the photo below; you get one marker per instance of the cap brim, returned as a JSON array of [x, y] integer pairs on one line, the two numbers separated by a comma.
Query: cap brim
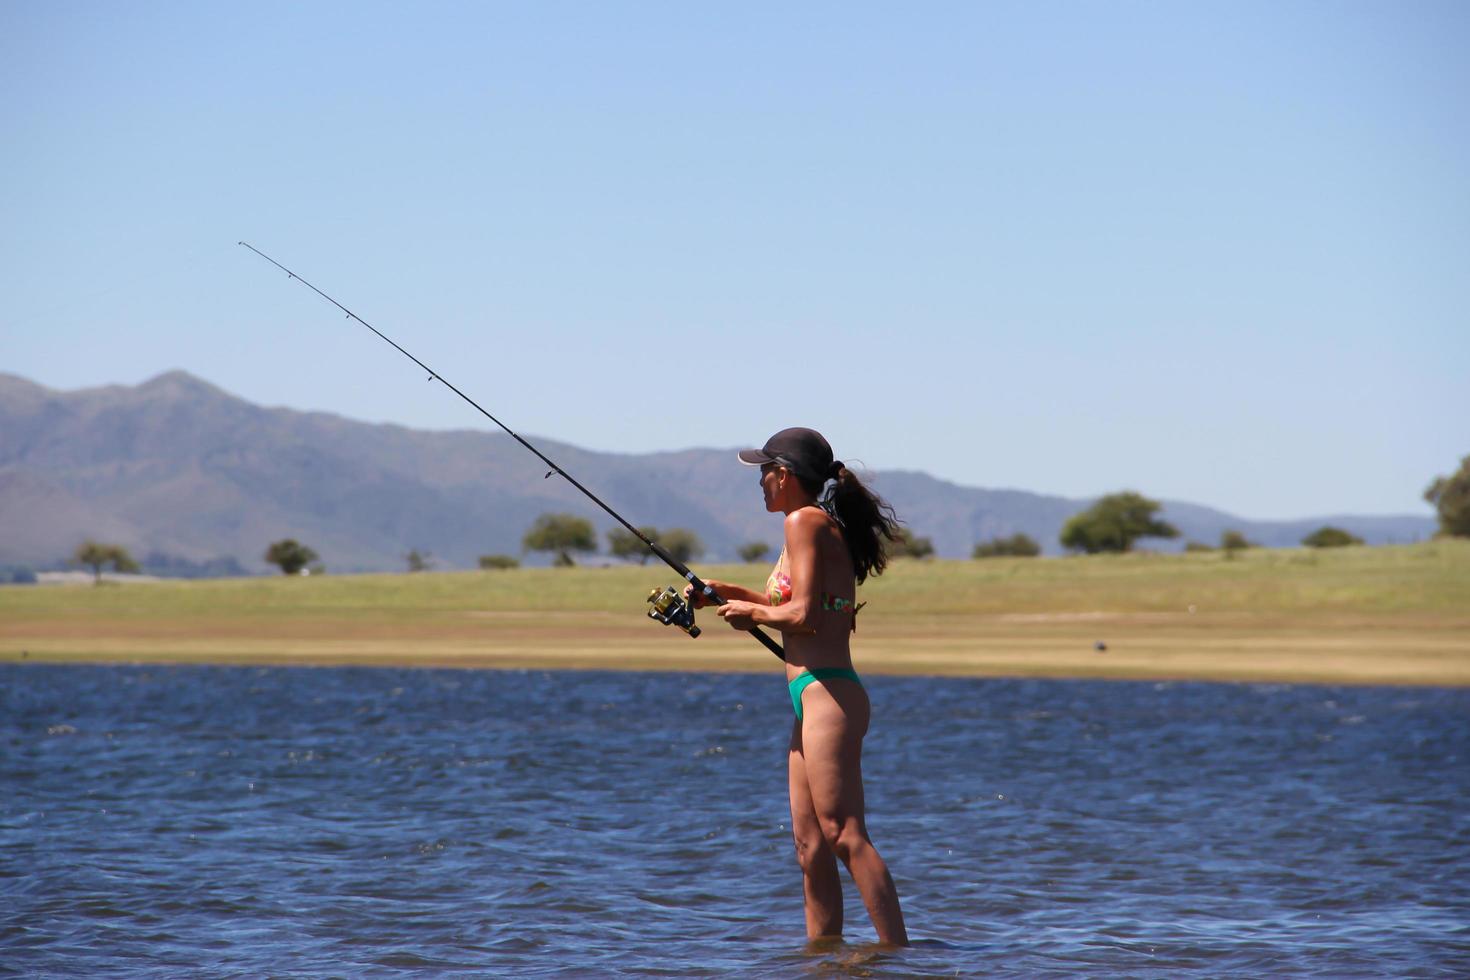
[[756, 457]]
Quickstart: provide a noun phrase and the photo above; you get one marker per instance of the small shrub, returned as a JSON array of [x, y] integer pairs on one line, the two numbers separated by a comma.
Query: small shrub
[[290, 556], [905, 545], [754, 551], [1016, 546], [490, 562], [1330, 537], [1234, 541]]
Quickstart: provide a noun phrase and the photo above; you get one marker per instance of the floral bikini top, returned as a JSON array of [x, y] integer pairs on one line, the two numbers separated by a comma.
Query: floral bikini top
[[778, 590]]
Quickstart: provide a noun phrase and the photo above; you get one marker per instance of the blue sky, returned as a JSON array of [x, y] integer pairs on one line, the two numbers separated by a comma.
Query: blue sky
[[1213, 252]]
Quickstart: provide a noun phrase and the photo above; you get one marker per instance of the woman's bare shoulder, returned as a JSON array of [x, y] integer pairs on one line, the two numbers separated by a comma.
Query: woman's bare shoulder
[[809, 522]]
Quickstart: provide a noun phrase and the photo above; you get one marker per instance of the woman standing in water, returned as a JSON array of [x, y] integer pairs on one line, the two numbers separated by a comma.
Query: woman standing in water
[[833, 543]]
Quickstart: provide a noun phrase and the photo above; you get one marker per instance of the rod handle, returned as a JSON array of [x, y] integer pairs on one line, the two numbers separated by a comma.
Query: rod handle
[[709, 593]]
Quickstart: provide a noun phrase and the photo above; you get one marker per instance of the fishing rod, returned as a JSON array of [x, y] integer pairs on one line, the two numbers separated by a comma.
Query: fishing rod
[[666, 605]]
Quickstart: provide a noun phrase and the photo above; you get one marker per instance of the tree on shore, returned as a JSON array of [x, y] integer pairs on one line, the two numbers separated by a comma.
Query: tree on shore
[[290, 555], [1018, 545], [906, 545], [624, 544], [1328, 536], [1114, 523], [561, 534], [1450, 496], [682, 543], [97, 555], [419, 561], [489, 562], [754, 551], [1232, 541]]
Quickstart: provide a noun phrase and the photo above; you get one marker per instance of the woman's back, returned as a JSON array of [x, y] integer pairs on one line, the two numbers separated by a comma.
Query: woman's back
[[831, 594]]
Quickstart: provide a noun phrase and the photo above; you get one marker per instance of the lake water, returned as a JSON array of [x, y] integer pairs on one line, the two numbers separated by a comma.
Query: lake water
[[364, 822]]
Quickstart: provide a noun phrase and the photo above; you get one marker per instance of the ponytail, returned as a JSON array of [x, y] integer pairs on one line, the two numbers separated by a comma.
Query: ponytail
[[864, 518]]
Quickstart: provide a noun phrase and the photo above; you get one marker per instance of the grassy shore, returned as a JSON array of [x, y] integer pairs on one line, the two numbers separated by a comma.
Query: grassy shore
[[1392, 615]]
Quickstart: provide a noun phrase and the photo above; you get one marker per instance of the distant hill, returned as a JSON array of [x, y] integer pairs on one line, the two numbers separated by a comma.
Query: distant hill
[[180, 469]]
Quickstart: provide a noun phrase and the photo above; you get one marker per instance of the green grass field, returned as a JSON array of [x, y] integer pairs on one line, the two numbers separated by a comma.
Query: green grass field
[[1357, 615]]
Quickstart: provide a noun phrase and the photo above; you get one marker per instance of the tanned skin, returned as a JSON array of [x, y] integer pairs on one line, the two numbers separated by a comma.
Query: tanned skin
[[825, 755]]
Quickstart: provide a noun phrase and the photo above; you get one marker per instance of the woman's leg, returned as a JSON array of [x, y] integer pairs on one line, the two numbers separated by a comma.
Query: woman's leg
[[821, 886], [836, 719]]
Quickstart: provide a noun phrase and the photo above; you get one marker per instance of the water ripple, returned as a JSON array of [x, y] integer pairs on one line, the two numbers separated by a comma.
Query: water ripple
[[389, 822]]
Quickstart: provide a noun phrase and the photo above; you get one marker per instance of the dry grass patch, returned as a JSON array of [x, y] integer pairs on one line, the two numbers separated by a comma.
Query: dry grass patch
[[1356, 615]]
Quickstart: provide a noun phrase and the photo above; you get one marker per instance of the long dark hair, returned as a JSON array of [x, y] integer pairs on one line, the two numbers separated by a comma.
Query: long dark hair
[[865, 519]]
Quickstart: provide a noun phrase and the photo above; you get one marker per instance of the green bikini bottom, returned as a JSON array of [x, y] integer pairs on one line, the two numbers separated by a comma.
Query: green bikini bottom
[[799, 683]]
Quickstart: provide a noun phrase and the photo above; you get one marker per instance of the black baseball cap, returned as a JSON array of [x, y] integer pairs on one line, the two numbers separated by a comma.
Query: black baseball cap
[[803, 451]]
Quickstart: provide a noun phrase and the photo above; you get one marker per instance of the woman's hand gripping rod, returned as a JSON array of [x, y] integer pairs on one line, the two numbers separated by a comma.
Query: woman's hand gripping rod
[[694, 580]]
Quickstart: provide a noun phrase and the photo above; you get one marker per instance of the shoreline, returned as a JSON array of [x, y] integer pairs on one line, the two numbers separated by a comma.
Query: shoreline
[[1353, 653], [1305, 680], [1379, 616]]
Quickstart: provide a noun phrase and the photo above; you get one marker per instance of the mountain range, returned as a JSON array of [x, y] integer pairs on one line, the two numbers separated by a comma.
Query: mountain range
[[182, 471]]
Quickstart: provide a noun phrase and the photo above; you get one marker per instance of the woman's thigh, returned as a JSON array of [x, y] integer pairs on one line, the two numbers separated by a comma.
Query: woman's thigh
[[804, 825], [831, 740]]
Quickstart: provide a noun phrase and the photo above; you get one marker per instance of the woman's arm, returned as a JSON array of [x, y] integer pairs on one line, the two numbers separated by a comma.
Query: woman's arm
[[793, 616], [725, 590]]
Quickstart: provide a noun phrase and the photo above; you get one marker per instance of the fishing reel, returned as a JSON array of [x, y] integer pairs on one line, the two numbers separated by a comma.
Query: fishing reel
[[669, 608]]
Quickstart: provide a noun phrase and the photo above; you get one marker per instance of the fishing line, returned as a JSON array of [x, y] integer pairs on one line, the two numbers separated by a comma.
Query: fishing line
[[666, 605]]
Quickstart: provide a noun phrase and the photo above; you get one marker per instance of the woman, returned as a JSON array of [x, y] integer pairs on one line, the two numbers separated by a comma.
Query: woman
[[832, 544]]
